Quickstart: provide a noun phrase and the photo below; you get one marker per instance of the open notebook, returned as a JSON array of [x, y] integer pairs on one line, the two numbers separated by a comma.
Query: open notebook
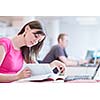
[[42, 72], [83, 77]]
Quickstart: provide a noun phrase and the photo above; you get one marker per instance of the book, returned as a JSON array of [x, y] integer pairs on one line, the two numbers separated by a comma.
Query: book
[[43, 72]]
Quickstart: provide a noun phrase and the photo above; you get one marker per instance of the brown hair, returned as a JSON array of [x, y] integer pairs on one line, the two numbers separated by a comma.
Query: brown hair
[[61, 36], [29, 52]]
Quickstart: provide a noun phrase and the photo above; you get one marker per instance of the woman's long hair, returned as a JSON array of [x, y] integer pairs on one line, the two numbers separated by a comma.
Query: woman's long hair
[[29, 52]]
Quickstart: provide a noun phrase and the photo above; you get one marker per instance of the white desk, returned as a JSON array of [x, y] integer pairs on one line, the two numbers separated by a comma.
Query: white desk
[[78, 70]]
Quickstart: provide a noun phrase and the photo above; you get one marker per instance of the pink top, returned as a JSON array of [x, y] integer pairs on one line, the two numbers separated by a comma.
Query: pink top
[[13, 60]]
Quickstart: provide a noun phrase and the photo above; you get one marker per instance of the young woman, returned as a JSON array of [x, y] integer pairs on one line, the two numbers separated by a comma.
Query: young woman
[[22, 47]]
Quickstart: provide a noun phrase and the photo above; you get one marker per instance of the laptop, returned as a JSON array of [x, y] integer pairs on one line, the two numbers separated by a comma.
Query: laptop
[[83, 77], [91, 56]]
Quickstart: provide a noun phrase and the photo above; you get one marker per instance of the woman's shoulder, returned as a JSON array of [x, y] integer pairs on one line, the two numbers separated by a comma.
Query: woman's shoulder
[[6, 42], [4, 39]]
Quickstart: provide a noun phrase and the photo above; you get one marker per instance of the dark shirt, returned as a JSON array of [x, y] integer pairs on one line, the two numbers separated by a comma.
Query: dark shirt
[[54, 54]]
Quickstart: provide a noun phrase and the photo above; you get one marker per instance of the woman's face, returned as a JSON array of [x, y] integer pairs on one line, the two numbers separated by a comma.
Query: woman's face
[[32, 39]]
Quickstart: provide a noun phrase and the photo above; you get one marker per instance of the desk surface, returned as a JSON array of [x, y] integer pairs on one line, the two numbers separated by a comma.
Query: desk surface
[[62, 81], [84, 81], [78, 70]]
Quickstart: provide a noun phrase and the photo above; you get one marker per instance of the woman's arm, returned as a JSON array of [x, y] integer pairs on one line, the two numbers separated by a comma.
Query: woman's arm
[[8, 78], [2, 53], [25, 73], [12, 77], [5, 77]]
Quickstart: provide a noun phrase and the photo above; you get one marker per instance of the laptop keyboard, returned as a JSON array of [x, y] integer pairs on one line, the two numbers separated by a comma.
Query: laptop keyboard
[[83, 77], [88, 65]]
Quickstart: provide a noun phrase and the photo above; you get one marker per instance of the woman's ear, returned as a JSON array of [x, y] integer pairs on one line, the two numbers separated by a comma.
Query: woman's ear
[[27, 28]]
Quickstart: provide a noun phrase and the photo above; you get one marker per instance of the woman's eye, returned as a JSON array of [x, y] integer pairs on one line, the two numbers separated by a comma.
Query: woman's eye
[[36, 35]]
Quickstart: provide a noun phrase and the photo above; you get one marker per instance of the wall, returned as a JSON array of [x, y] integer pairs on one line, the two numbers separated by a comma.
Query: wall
[[78, 40], [81, 37]]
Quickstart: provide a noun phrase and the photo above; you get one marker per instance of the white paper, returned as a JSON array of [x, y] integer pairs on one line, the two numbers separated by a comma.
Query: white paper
[[39, 69]]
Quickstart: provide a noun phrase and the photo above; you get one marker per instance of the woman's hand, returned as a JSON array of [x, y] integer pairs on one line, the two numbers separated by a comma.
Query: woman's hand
[[25, 73], [58, 64]]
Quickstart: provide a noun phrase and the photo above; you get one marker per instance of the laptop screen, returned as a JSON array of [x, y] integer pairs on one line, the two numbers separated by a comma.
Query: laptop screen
[[90, 56], [93, 56]]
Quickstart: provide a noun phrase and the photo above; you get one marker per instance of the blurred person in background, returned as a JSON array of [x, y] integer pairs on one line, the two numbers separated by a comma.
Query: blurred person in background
[[58, 52]]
